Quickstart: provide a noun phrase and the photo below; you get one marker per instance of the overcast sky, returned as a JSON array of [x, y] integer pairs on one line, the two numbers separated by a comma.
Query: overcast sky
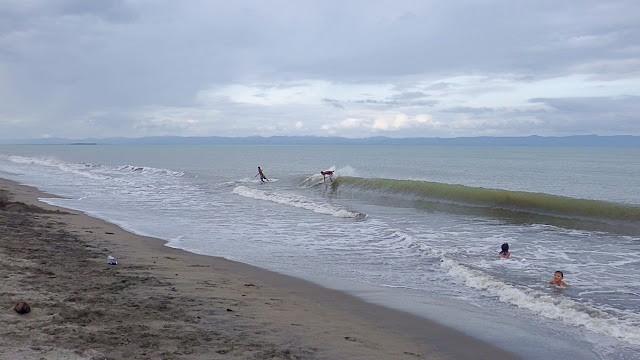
[[447, 68]]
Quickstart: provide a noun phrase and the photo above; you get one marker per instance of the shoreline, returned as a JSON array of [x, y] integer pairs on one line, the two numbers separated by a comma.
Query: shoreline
[[163, 302]]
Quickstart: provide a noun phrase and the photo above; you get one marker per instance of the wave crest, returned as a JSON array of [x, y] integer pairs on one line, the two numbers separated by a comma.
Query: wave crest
[[539, 203]]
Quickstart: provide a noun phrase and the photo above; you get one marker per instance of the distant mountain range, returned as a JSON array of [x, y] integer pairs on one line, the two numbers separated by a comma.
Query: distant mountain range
[[576, 140]]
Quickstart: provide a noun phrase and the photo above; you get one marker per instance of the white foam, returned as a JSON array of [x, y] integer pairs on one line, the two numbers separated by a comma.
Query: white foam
[[296, 201], [316, 179], [150, 170], [556, 307], [311, 181], [239, 182], [66, 167]]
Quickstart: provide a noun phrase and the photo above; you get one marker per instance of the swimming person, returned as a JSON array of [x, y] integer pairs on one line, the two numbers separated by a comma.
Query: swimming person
[[505, 251], [262, 176], [557, 279], [325, 173]]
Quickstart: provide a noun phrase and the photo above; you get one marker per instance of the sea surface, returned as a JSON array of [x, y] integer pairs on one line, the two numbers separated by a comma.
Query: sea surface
[[417, 228]]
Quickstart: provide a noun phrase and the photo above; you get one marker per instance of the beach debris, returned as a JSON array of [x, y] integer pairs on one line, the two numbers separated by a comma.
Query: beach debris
[[22, 307], [109, 232], [112, 260]]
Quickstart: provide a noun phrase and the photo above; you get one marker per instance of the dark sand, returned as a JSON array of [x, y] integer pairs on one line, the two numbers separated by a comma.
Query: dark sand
[[164, 303]]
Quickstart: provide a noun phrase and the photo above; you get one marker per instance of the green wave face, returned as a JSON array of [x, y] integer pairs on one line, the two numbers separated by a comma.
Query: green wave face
[[521, 201]]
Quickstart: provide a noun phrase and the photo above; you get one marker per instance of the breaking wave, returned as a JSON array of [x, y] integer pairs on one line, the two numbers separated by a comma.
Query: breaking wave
[[297, 201], [553, 307], [522, 201]]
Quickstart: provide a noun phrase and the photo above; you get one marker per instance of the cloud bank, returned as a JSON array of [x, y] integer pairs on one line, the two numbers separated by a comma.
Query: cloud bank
[[75, 69]]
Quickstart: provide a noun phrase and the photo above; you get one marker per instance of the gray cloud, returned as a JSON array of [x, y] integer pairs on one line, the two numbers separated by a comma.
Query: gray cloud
[[77, 67], [334, 103], [621, 105], [410, 95], [470, 110], [439, 86]]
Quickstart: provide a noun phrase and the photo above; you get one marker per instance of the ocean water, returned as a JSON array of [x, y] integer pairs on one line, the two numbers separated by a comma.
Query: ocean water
[[416, 228]]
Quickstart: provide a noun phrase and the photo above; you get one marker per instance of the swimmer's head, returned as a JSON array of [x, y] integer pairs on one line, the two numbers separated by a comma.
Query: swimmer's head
[[505, 247]]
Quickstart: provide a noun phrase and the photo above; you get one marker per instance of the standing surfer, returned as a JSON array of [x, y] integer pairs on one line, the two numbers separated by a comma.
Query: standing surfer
[[262, 177], [327, 173]]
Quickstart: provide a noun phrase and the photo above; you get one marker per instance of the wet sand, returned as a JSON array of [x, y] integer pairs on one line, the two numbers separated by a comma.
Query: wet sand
[[164, 303]]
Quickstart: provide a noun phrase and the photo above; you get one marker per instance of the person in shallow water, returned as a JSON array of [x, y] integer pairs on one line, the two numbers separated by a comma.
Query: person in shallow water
[[505, 251], [262, 176], [558, 277]]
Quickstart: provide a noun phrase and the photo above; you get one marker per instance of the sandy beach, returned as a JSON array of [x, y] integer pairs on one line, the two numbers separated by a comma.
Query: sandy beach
[[164, 303]]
